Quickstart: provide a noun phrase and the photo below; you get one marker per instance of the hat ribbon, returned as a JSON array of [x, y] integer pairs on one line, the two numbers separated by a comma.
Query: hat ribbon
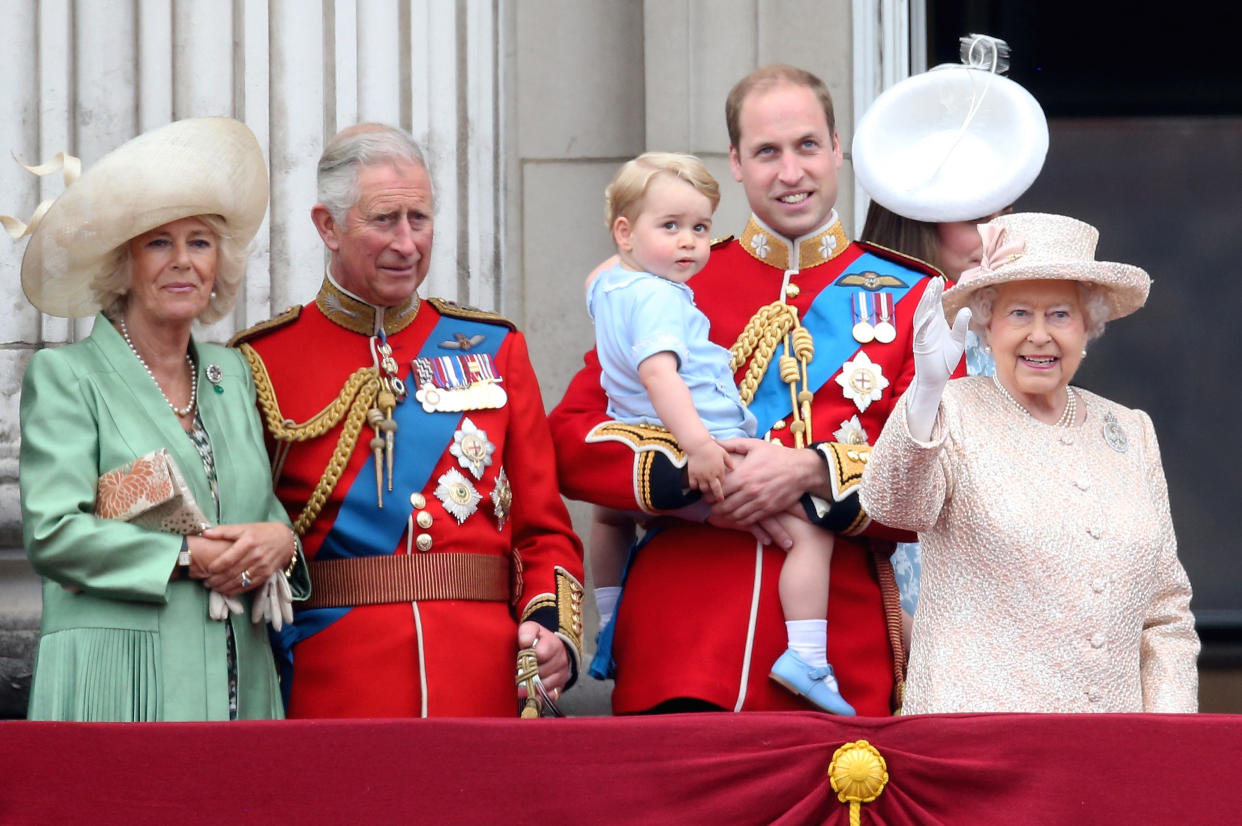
[[72, 168], [998, 249]]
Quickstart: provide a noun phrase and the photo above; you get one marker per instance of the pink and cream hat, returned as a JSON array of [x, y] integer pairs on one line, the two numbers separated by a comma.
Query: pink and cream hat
[[198, 166], [1033, 246]]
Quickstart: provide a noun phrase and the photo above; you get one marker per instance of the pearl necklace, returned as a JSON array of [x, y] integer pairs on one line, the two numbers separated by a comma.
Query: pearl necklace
[[1068, 416], [180, 411]]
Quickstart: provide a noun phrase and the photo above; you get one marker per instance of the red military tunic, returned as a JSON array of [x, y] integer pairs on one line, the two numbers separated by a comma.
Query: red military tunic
[[433, 656], [700, 616]]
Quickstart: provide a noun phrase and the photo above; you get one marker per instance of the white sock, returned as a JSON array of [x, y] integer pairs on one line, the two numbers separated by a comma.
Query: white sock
[[606, 597], [809, 640]]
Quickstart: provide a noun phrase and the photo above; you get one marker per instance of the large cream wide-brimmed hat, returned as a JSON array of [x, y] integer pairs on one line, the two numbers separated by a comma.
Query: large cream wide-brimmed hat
[[198, 166], [956, 143], [1033, 246]]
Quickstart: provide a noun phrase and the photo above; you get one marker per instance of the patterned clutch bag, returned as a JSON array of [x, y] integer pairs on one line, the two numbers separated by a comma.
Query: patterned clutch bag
[[150, 492]]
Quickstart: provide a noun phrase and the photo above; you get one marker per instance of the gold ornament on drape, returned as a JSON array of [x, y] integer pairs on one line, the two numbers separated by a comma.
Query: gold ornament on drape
[[858, 775]]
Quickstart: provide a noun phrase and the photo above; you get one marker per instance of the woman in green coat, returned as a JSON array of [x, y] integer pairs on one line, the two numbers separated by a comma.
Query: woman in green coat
[[141, 622]]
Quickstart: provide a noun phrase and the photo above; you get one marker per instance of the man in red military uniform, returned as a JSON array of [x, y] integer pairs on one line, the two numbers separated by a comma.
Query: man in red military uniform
[[411, 449], [823, 350]]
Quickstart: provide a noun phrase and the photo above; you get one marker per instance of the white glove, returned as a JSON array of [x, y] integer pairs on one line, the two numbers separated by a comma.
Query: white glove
[[273, 602], [937, 351], [220, 606]]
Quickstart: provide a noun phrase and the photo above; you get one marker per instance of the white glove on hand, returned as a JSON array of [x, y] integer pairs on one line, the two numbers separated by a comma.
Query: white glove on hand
[[274, 602], [937, 351], [219, 606]]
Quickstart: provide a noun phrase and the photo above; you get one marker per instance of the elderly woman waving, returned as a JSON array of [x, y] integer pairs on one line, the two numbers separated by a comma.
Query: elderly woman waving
[[147, 500], [1050, 573]]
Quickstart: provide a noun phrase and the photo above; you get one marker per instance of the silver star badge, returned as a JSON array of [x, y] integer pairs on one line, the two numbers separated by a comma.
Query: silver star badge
[[502, 499], [862, 381], [458, 495], [472, 449]]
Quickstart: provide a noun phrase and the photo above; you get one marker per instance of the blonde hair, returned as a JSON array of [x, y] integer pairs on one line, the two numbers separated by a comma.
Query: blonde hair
[[111, 291], [624, 196]]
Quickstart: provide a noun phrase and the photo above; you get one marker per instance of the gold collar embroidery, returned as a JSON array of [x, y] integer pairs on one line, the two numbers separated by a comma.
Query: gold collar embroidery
[[349, 311], [819, 247]]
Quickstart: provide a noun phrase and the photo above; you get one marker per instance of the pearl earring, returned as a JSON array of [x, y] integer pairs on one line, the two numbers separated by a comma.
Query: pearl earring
[[1084, 351]]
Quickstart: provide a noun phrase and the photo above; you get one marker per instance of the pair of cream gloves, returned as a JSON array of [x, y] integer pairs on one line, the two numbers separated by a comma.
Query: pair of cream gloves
[[272, 603]]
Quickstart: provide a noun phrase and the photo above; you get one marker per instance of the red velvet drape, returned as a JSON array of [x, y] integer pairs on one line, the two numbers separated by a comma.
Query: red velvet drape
[[680, 769]]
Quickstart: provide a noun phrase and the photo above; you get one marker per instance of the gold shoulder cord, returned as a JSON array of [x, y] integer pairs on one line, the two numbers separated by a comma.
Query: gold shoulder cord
[[771, 325], [351, 404]]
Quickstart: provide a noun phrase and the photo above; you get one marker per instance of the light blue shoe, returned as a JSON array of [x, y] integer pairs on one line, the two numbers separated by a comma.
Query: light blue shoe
[[818, 685]]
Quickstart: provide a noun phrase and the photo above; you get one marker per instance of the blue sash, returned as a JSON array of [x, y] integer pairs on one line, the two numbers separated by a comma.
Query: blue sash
[[829, 320], [362, 529]]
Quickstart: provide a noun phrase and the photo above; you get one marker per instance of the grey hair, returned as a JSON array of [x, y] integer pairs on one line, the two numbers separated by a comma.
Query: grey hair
[[111, 290], [351, 149], [1097, 307]]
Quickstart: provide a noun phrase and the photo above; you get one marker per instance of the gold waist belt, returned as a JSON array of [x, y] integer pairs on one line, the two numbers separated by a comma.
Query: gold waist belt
[[375, 580]]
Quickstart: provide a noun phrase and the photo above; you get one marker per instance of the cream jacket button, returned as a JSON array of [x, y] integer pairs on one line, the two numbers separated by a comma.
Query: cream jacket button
[[1098, 585], [423, 542], [1097, 640], [1083, 484]]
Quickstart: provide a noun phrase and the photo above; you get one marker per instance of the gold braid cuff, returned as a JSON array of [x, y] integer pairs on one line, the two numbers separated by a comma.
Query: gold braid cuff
[[846, 464], [567, 602], [351, 405], [645, 440], [569, 606]]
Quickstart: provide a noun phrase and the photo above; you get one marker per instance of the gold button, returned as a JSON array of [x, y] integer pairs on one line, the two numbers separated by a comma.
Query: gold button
[[418, 501], [792, 290], [780, 425], [423, 542], [423, 519]]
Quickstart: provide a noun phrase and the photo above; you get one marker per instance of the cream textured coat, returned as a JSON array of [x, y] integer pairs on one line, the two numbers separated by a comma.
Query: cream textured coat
[[1051, 581]]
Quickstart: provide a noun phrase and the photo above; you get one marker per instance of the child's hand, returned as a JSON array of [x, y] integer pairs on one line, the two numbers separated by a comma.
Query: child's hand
[[707, 466]]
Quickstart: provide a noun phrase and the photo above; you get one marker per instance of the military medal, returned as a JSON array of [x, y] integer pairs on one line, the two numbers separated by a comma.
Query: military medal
[[860, 307], [458, 495], [1114, 434], [502, 499], [451, 384], [885, 332], [862, 381], [472, 449]]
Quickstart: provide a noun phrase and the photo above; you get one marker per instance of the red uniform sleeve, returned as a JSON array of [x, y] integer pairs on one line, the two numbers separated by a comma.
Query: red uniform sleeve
[[604, 471], [548, 552]]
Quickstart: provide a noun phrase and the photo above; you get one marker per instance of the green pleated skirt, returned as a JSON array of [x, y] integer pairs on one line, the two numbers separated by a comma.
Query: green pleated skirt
[[113, 660]]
